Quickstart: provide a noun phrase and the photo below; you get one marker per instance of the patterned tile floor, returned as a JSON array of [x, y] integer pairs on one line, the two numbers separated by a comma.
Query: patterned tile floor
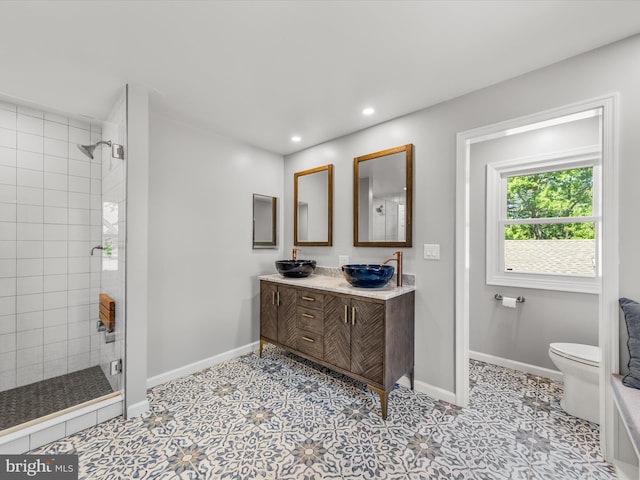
[[281, 418]]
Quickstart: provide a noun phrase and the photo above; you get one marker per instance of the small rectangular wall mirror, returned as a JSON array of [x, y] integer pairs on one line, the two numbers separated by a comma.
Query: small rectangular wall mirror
[[383, 198], [313, 206], [265, 224]]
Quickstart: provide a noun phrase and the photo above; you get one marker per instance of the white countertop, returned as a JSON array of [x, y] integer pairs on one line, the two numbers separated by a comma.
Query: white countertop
[[340, 285]]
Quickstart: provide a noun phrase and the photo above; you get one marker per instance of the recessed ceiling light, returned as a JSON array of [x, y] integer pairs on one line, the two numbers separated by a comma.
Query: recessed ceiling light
[[295, 138], [368, 111]]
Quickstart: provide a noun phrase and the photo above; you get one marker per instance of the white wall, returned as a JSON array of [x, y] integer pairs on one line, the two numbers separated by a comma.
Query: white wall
[[432, 131], [203, 290], [49, 219], [524, 334]]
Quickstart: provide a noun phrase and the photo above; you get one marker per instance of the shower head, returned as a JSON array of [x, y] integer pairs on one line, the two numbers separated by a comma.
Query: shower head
[[117, 151], [87, 150]]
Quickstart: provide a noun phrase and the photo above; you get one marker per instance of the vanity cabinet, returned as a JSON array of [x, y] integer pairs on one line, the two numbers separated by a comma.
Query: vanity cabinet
[[368, 339]]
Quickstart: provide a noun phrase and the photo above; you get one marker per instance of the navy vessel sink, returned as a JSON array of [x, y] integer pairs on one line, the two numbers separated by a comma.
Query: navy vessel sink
[[295, 268], [367, 275]]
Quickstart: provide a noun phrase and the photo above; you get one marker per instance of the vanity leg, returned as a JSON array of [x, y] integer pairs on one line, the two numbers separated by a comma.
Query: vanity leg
[[260, 351], [384, 396], [411, 377]]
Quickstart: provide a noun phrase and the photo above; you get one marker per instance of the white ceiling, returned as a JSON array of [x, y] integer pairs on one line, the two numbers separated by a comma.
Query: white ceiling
[[262, 71]]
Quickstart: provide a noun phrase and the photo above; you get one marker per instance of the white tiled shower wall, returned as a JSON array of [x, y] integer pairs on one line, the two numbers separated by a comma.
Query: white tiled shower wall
[[50, 217]]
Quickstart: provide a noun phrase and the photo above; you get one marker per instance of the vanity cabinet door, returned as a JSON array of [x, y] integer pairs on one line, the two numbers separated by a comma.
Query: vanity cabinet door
[[354, 335], [337, 331], [268, 311], [367, 339], [278, 313], [287, 327]]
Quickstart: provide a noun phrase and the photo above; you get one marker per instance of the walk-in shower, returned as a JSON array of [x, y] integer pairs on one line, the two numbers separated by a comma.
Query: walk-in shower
[[56, 365], [117, 151]]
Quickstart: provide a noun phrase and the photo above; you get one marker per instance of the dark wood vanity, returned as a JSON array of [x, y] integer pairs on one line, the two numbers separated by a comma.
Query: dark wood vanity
[[368, 339]]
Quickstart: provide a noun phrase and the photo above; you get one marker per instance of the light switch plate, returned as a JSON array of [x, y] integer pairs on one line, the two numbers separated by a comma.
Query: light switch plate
[[431, 251]]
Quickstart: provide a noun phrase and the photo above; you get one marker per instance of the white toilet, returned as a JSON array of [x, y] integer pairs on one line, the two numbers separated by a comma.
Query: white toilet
[[580, 366]]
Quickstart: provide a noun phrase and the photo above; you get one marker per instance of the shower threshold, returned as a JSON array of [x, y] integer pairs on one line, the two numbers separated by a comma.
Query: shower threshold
[[29, 402]]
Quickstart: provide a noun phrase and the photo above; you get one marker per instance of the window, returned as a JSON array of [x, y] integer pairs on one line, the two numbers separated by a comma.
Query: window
[[543, 221]]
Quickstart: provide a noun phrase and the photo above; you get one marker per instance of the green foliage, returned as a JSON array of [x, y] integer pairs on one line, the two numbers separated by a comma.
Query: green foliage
[[561, 193]]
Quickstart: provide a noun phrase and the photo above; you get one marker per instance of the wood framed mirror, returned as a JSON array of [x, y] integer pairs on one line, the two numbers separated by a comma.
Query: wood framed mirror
[[313, 206], [265, 221], [383, 198]]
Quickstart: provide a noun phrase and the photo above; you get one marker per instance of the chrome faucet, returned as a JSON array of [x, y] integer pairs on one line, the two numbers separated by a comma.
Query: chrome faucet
[[97, 247], [294, 253], [398, 260]]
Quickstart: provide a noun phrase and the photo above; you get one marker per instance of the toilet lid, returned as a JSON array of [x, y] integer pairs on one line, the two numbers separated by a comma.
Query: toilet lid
[[588, 354]]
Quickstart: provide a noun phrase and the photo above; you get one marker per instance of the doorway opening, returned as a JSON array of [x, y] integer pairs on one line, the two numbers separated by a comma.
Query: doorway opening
[[605, 256]]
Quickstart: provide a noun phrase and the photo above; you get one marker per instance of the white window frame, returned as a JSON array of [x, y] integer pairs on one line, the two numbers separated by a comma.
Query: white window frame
[[496, 219]]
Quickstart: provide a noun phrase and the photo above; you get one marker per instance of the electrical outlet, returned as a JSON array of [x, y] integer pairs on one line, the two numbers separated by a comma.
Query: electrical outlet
[[343, 260], [116, 367]]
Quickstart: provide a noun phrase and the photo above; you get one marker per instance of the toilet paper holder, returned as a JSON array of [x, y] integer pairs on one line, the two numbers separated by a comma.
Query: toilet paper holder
[[498, 297]]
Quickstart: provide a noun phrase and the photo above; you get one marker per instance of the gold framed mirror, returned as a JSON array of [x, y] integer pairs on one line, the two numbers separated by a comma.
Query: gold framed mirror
[[265, 221], [383, 198], [313, 206]]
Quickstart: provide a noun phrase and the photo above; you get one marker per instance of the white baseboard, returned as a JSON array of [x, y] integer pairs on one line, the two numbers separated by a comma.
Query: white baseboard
[[434, 392], [200, 365], [522, 367], [137, 408], [625, 471]]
